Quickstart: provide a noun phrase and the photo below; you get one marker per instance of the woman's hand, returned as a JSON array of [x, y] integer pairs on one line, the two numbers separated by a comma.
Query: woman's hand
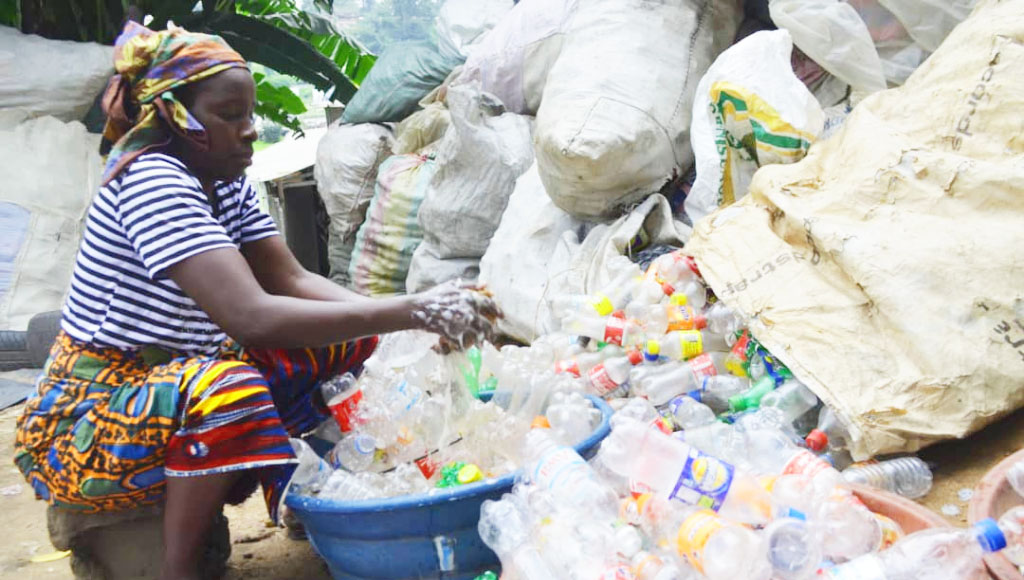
[[462, 314]]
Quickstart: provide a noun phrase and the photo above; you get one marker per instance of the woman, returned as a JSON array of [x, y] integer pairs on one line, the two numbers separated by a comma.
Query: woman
[[144, 399]]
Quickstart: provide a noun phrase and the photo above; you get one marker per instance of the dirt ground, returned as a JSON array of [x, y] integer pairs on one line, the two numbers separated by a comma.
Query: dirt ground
[[260, 552]]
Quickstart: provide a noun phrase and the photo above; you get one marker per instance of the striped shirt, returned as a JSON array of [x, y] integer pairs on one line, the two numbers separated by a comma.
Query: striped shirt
[[152, 216]]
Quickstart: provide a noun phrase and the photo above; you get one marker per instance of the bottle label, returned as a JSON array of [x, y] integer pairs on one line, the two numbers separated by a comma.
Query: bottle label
[[891, 531], [737, 362], [618, 572], [691, 343], [704, 481], [569, 366], [869, 567], [703, 366], [557, 465], [602, 382], [805, 463], [682, 318], [694, 535], [613, 330], [639, 488], [344, 410]]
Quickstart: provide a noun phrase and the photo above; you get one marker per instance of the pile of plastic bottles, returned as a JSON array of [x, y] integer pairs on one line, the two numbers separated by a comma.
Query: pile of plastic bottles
[[413, 422]]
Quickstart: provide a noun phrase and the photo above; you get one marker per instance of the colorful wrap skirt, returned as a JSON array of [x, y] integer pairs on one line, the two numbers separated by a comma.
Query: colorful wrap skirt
[[106, 426]]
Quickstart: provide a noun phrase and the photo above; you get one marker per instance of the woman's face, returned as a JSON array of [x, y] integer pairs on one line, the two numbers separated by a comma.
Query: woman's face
[[224, 105]]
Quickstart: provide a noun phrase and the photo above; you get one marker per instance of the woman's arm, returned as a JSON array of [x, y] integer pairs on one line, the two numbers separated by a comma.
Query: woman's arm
[[225, 287], [279, 273]]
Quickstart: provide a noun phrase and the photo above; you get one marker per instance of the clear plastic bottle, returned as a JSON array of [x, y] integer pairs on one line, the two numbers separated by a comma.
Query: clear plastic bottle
[[659, 566], [686, 344], [1016, 478], [660, 388], [716, 391], [342, 396], [794, 550], [614, 330], [1012, 525], [354, 453], [681, 316], [652, 318], [504, 526], [582, 363], [561, 471], [830, 433], [723, 320], [792, 398], [678, 471], [688, 413], [571, 416], [931, 554], [312, 471], [345, 486], [609, 375], [564, 305], [907, 476]]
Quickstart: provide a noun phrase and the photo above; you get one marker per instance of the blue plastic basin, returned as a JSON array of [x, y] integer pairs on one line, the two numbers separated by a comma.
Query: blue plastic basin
[[420, 536]]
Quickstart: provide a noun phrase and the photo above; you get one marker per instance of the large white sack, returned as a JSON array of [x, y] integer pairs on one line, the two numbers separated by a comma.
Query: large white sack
[[464, 23], [50, 172], [884, 269], [478, 161], [428, 269], [613, 124], [540, 252], [347, 159], [51, 77], [512, 60], [750, 110]]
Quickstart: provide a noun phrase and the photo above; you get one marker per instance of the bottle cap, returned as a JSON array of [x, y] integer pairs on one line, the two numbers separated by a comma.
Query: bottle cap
[[677, 299], [990, 536], [619, 314], [603, 305], [468, 474], [653, 350], [668, 289], [635, 357], [816, 440], [700, 322], [540, 422]]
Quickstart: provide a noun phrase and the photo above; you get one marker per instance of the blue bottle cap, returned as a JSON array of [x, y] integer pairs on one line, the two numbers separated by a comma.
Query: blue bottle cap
[[696, 395], [796, 514], [990, 536]]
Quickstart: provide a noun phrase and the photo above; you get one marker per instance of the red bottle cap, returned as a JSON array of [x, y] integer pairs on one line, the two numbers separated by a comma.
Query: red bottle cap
[[635, 357], [816, 440]]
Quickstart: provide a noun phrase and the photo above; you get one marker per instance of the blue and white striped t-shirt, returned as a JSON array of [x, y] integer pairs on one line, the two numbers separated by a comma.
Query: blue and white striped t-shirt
[[152, 216]]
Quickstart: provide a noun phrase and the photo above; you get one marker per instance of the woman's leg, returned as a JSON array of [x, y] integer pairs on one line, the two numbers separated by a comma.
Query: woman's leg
[[191, 505]]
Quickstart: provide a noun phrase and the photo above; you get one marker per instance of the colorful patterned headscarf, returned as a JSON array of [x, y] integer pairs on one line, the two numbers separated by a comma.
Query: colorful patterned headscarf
[[149, 66]]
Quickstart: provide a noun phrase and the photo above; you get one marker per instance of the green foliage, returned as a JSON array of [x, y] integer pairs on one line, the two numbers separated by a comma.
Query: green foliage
[[390, 21], [10, 13], [276, 102]]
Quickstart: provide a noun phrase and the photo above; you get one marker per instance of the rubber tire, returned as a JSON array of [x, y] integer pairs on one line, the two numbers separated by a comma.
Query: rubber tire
[[42, 331]]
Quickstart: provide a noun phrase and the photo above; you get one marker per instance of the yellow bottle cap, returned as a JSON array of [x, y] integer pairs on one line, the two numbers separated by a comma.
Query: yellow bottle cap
[[677, 299], [603, 305], [653, 347], [469, 474], [540, 422]]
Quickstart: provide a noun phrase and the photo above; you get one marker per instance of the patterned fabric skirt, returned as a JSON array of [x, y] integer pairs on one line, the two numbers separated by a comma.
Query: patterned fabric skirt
[[107, 426]]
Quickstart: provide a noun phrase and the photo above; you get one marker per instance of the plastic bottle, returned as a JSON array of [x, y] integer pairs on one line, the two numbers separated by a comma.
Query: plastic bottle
[[312, 471], [353, 453], [688, 413], [931, 554], [581, 364], [658, 566], [794, 551], [679, 315], [653, 319], [830, 432], [792, 398], [561, 471], [612, 373], [907, 476], [1012, 525], [614, 330], [678, 471], [564, 305], [751, 398], [345, 486], [709, 542], [715, 391], [504, 527], [686, 344], [660, 388], [342, 396], [1016, 478], [571, 416], [723, 320]]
